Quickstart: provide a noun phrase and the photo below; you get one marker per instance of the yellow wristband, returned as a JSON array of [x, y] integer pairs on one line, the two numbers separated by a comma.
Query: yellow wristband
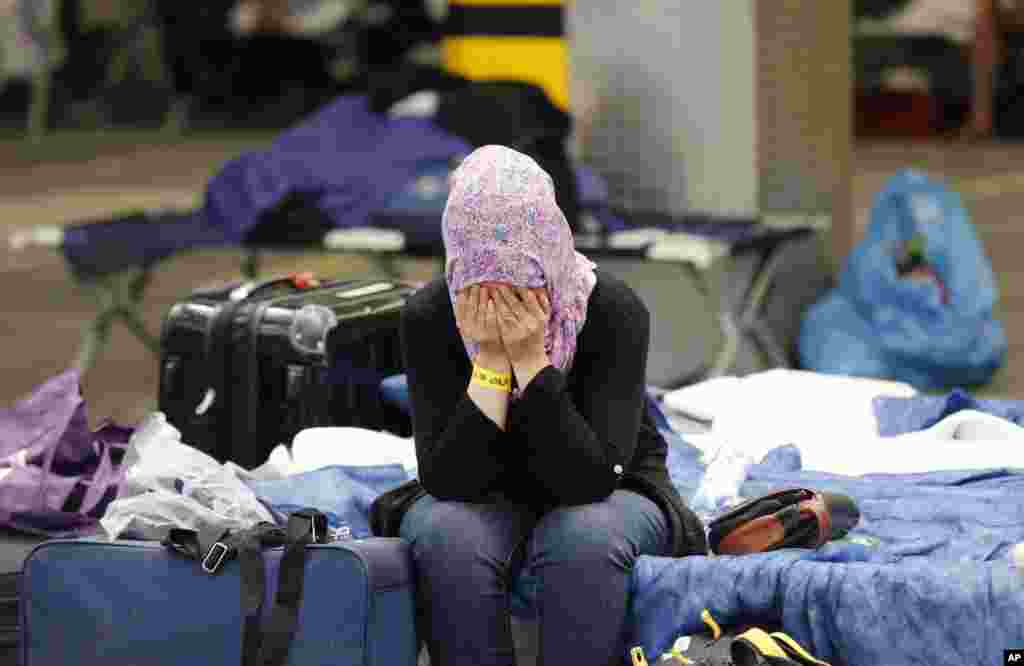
[[501, 381]]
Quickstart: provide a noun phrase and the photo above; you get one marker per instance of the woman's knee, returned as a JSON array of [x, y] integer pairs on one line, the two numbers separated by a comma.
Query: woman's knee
[[463, 538], [615, 531]]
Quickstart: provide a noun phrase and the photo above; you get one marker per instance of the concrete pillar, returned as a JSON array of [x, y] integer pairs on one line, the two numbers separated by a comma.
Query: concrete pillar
[[804, 111], [733, 108]]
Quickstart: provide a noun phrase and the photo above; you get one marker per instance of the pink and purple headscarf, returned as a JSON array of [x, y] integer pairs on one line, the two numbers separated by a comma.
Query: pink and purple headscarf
[[502, 224]]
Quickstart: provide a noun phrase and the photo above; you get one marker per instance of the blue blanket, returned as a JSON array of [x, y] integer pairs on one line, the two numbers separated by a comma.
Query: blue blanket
[[897, 416], [360, 168], [346, 159], [343, 493], [852, 613], [924, 578], [953, 516]]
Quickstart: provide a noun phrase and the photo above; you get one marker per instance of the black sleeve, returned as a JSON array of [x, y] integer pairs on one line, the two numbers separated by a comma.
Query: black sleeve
[[456, 443], [578, 449]]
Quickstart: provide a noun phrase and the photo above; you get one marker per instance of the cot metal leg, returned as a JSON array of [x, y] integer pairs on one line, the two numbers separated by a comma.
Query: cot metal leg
[[387, 263], [118, 297], [736, 322], [39, 106], [251, 265], [708, 282], [726, 355], [750, 320], [96, 333]]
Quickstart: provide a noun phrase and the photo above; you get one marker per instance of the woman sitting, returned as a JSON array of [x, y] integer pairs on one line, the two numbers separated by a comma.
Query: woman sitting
[[526, 370]]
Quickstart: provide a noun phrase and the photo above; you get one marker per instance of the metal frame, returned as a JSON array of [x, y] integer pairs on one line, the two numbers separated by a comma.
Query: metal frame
[[119, 298]]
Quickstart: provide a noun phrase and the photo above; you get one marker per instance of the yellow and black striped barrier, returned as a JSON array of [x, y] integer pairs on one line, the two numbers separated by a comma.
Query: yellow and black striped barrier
[[520, 40]]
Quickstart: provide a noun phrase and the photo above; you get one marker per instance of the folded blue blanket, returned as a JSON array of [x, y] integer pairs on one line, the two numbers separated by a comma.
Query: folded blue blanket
[[343, 493], [897, 416], [852, 613]]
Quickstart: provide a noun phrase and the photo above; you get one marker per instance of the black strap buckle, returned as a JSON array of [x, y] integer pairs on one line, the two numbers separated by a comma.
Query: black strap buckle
[[215, 557], [308, 522]]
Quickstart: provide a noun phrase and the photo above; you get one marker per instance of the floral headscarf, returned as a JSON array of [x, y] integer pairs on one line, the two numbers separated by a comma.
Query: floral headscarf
[[502, 224]]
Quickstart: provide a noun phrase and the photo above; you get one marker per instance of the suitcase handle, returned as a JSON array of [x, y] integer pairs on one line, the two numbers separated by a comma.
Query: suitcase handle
[[216, 347], [298, 280]]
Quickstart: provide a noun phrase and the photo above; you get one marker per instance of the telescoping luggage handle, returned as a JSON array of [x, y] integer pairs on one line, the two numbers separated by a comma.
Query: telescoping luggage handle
[[269, 645], [220, 328]]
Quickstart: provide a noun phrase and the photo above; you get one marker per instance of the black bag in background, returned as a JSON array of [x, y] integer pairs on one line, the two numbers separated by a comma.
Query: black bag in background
[[877, 9], [516, 114], [245, 367], [519, 115]]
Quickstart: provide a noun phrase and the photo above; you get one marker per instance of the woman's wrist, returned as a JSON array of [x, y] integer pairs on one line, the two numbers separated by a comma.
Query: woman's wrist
[[528, 368], [494, 360]]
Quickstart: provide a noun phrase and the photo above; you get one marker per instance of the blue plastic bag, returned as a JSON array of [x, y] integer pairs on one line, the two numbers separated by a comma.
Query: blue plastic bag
[[933, 327]]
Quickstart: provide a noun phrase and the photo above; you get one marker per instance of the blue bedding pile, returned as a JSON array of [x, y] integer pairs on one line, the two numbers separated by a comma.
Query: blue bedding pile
[[925, 578], [845, 612]]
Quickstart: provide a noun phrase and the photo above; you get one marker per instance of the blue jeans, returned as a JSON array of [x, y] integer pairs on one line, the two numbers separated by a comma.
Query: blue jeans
[[468, 556]]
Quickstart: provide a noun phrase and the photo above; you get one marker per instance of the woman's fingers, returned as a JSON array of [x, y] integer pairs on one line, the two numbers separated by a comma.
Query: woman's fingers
[[506, 320], [509, 312], [512, 303], [460, 308], [491, 314], [468, 305], [533, 304], [479, 301]]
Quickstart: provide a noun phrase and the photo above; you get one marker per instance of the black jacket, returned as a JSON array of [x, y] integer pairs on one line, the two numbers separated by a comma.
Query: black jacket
[[571, 438]]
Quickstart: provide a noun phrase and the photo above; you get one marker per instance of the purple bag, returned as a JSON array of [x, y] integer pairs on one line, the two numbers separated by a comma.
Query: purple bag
[[57, 477]]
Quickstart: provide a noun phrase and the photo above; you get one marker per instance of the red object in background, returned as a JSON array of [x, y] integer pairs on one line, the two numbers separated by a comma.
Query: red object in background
[[304, 280], [896, 114]]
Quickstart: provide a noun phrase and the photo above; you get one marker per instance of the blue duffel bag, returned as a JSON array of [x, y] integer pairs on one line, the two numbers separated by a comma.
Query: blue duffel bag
[[221, 600]]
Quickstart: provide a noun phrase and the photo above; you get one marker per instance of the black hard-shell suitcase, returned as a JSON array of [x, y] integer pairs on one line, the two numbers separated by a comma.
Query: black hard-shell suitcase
[[245, 367], [14, 548]]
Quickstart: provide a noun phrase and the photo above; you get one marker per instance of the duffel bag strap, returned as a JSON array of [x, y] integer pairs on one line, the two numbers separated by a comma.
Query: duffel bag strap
[[304, 527], [212, 549]]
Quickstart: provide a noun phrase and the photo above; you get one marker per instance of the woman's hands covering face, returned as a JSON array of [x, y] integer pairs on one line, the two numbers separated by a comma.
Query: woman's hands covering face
[[522, 319]]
